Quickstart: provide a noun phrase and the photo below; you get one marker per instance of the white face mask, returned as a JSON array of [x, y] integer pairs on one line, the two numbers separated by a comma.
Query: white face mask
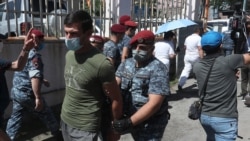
[[1, 46]]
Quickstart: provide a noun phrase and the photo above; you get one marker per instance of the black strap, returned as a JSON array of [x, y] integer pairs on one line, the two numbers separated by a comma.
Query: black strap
[[203, 90]]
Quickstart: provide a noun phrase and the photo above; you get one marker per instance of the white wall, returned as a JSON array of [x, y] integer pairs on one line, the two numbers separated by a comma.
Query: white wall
[[53, 59]]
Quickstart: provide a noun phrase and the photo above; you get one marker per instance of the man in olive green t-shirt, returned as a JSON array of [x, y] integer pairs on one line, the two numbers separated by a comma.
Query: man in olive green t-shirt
[[88, 73]]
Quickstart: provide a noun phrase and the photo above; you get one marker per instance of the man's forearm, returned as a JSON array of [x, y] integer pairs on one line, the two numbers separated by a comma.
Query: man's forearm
[[36, 87], [21, 60], [113, 92], [201, 53], [116, 110], [148, 109]]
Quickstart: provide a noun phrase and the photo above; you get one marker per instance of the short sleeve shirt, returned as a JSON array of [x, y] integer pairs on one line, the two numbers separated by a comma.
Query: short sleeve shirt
[[192, 43], [84, 76], [162, 51], [220, 99]]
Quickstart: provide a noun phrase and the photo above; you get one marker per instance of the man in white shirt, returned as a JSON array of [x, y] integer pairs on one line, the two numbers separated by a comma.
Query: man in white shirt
[[193, 52], [164, 50]]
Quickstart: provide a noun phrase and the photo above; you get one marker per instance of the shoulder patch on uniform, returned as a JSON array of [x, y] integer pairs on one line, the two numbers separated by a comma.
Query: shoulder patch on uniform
[[35, 62]]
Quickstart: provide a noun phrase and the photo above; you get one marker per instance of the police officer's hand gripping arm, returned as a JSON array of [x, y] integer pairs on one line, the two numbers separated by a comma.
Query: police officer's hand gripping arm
[[155, 100], [113, 92], [145, 112]]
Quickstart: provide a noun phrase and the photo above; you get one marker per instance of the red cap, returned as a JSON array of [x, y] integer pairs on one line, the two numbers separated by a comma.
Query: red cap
[[130, 23], [143, 37], [96, 39], [38, 33], [123, 19], [118, 28]]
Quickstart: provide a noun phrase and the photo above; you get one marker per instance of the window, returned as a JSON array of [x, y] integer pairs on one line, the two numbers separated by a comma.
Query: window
[[12, 11], [36, 7], [217, 26]]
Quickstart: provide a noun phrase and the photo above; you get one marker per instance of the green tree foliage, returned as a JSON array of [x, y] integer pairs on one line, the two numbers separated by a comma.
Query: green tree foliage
[[95, 7]]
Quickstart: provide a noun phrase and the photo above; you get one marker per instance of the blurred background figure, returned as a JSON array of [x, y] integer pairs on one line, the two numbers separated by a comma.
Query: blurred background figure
[[124, 43], [245, 70], [111, 49], [227, 42], [170, 37], [193, 52], [164, 49], [126, 50]]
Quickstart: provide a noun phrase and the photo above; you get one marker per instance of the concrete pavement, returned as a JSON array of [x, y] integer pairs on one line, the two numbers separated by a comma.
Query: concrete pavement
[[179, 128]]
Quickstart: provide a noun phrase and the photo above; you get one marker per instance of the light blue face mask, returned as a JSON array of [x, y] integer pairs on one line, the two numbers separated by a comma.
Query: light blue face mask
[[40, 46], [73, 43], [140, 55]]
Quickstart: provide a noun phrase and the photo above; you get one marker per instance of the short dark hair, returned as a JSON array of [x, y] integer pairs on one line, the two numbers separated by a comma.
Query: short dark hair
[[197, 29], [168, 35], [210, 49], [79, 16]]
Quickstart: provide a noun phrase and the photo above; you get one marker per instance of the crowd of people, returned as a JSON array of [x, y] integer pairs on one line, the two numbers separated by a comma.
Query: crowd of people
[[121, 85]]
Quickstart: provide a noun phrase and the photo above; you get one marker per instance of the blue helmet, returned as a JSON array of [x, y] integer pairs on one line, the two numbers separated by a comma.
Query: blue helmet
[[211, 41]]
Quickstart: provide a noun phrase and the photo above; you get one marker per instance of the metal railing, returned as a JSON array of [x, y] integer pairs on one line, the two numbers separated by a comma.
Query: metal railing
[[17, 16]]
